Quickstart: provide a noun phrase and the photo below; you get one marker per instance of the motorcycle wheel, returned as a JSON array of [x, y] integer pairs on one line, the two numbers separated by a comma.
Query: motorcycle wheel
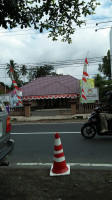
[[88, 131]]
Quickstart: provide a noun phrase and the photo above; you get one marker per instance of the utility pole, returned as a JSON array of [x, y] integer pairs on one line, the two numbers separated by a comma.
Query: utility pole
[[111, 50]]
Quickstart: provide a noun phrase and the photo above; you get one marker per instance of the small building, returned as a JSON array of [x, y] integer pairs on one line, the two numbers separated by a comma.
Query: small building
[[51, 91], [4, 89]]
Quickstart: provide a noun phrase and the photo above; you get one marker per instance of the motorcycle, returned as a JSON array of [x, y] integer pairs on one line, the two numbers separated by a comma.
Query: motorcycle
[[93, 125]]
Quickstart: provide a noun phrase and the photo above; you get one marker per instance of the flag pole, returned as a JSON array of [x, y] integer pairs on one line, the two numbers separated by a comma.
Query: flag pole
[[84, 80]]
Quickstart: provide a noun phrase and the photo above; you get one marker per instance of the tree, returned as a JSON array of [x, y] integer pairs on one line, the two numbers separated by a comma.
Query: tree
[[30, 76], [56, 16], [103, 85], [14, 66], [105, 68], [42, 71], [23, 71]]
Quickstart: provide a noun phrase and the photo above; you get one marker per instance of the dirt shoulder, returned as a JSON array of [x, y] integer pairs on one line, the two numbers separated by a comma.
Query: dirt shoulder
[[32, 184]]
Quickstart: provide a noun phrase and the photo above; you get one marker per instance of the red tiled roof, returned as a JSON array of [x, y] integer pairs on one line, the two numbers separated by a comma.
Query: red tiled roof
[[51, 85]]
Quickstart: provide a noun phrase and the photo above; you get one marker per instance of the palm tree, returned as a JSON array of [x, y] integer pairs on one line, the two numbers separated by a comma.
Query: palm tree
[[14, 66], [41, 71], [23, 71], [31, 73]]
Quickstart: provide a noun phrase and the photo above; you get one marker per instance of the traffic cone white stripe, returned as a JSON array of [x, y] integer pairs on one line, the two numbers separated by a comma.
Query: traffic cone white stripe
[[57, 142], [57, 152], [59, 166], [59, 159]]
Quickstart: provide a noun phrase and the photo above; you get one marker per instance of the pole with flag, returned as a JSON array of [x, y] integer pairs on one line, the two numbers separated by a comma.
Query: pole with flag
[[84, 80], [16, 87]]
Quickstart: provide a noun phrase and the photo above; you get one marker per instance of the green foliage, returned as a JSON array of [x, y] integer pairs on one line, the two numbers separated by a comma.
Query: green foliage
[[42, 71], [103, 85], [57, 16], [16, 76], [105, 68], [14, 66], [23, 71]]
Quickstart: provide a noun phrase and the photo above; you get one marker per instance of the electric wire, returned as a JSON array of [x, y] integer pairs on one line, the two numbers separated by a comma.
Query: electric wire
[[11, 32], [62, 64]]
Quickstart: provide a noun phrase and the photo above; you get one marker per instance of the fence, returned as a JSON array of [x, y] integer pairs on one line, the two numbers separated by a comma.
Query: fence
[[80, 109], [17, 111], [85, 108]]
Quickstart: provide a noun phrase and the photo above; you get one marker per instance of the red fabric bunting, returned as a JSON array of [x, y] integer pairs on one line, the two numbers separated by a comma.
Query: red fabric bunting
[[86, 61], [85, 74], [52, 96], [84, 79]]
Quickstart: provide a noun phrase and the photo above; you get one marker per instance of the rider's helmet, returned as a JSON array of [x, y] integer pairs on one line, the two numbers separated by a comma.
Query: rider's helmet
[[109, 96]]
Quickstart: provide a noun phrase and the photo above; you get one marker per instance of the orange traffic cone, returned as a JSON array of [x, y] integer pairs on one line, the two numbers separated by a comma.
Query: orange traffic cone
[[59, 166]]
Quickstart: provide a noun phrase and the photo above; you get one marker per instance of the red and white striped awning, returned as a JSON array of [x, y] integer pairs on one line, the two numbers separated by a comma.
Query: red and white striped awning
[[50, 96]]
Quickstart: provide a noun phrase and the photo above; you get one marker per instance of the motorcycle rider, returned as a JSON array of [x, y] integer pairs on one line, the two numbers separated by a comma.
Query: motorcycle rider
[[104, 117]]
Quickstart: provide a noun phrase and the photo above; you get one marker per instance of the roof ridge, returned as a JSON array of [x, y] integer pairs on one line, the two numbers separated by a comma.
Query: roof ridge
[[52, 85], [60, 83], [54, 77], [65, 86]]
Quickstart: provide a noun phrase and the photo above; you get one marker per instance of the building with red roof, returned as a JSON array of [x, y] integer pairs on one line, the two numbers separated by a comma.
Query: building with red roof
[[51, 91]]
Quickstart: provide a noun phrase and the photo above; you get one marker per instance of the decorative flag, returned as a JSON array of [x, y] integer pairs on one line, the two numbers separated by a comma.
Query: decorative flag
[[84, 80], [16, 88]]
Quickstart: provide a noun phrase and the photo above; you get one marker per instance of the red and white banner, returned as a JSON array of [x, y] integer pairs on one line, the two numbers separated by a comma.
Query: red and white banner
[[16, 88], [84, 80], [50, 96]]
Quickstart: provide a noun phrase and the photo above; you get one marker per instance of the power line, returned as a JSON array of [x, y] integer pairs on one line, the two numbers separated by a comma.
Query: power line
[[62, 64], [36, 32], [103, 22], [103, 28]]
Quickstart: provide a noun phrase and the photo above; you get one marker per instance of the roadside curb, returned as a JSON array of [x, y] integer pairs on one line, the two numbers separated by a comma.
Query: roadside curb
[[78, 118]]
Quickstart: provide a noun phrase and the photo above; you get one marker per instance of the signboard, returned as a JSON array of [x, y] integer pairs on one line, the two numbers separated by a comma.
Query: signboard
[[92, 94], [89, 85], [5, 98]]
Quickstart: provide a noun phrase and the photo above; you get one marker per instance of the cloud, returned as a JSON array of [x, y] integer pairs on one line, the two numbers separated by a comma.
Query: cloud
[[32, 47]]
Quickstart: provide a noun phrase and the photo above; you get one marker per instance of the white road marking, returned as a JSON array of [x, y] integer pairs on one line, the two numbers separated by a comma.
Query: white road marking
[[71, 164], [39, 123], [34, 164], [40, 133]]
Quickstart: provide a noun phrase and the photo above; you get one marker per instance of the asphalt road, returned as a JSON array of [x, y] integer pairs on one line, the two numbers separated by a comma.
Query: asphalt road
[[34, 143]]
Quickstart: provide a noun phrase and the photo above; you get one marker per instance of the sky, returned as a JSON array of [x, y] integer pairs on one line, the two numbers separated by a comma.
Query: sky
[[27, 47]]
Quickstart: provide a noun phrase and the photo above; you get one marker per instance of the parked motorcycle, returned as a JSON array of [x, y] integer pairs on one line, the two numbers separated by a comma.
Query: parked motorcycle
[[93, 125]]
